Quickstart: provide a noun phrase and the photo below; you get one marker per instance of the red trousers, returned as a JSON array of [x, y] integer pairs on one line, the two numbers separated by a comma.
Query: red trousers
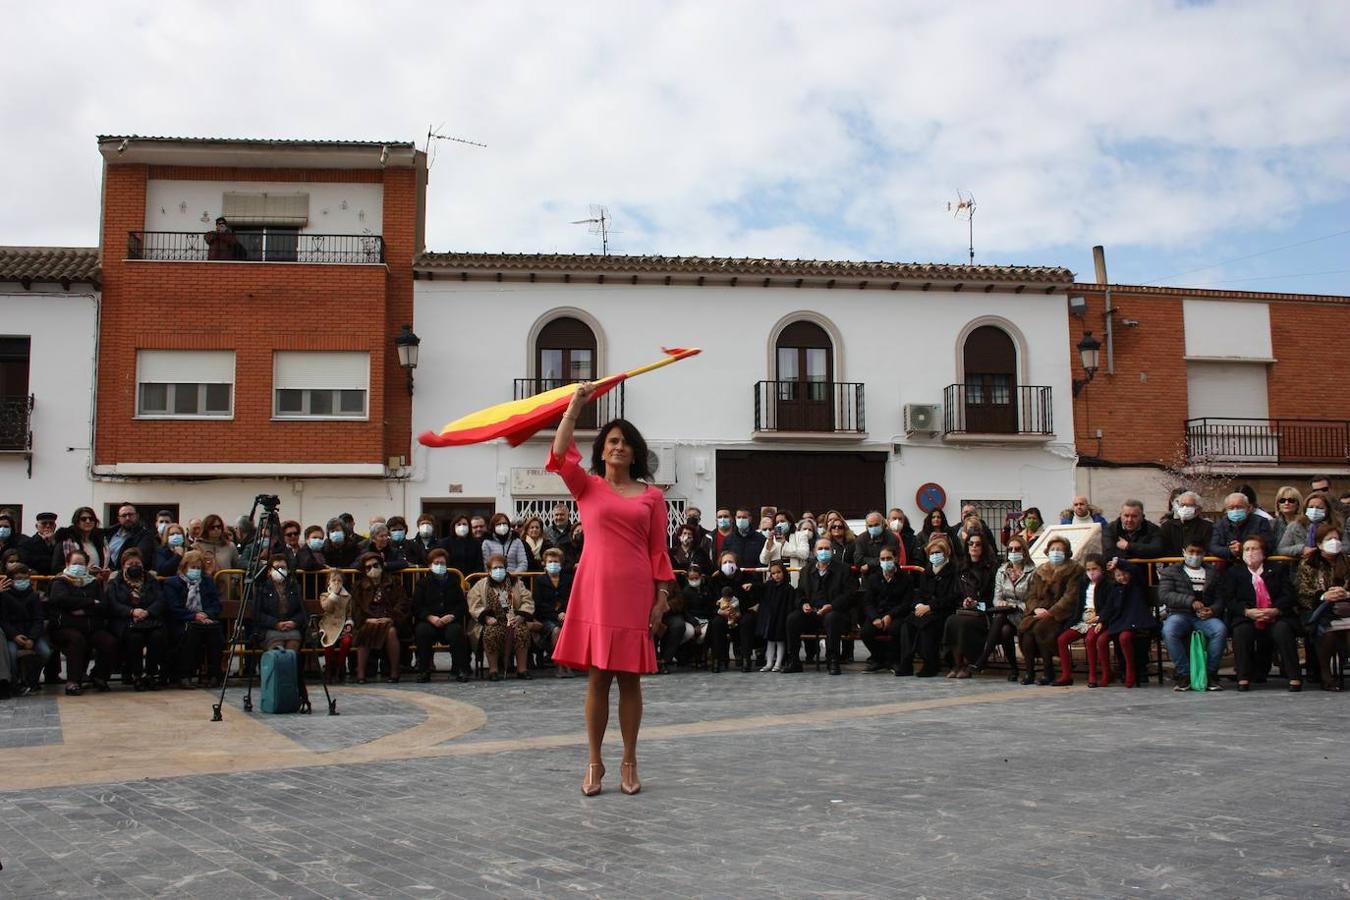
[[1099, 657], [335, 657]]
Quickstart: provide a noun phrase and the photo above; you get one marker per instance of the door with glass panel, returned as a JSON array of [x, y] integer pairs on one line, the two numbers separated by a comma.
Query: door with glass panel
[[565, 354], [990, 390], [804, 390]]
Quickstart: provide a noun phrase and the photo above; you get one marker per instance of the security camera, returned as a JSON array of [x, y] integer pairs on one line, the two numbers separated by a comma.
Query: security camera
[[122, 146], [1078, 306], [1130, 323]]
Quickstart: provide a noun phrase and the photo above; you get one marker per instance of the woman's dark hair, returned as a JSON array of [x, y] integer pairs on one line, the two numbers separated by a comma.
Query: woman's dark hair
[[83, 510], [639, 469], [928, 528], [1097, 558], [1033, 511]]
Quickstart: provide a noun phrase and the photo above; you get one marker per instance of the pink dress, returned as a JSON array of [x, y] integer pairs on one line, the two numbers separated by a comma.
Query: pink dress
[[622, 559]]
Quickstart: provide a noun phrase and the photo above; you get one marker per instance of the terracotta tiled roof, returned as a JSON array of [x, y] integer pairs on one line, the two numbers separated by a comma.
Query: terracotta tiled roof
[[49, 264], [297, 142], [725, 266], [1148, 290]]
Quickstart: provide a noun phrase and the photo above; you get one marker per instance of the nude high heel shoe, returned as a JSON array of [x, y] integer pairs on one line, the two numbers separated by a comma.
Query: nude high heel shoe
[[590, 786], [628, 778]]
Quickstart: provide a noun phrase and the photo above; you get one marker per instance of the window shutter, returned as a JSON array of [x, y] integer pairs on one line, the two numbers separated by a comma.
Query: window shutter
[[322, 369], [188, 366], [290, 210]]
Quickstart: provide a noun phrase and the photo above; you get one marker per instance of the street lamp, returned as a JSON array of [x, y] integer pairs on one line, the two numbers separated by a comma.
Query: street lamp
[[1089, 354], [407, 342]]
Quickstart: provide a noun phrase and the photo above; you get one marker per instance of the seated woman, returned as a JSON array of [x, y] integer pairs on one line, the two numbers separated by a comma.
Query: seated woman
[[1052, 601], [215, 542], [730, 577], [936, 597], [499, 610], [310, 558], [335, 628], [686, 552], [279, 617], [193, 610], [440, 614], [888, 600], [1323, 594], [76, 604], [968, 628], [934, 525], [1086, 626], [1011, 582], [403, 551], [136, 618], [169, 553], [465, 551], [379, 612], [25, 630], [340, 547], [503, 539], [1261, 617], [81, 534], [535, 543], [1298, 538], [1288, 508], [551, 592], [1123, 615]]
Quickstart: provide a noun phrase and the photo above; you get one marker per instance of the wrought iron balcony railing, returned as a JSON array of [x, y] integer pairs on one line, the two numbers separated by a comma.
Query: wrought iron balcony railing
[[16, 424], [830, 407], [255, 246], [1269, 441], [605, 408], [994, 408]]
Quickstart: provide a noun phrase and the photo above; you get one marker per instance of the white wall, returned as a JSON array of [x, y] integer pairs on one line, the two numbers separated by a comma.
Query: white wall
[[61, 326], [901, 344], [364, 213], [1227, 329]]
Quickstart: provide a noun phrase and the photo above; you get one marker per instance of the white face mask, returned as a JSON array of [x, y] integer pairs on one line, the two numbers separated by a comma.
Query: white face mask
[[462, 530], [438, 568], [1014, 557], [502, 529], [1332, 546], [278, 574], [426, 529], [1185, 513], [896, 525], [728, 569]]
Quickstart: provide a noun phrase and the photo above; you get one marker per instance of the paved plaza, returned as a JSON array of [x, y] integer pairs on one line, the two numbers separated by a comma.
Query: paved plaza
[[753, 786]]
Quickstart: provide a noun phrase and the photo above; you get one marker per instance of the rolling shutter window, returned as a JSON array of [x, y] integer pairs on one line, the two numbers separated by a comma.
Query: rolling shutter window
[[199, 366], [1227, 390], [266, 209], [328, 369]]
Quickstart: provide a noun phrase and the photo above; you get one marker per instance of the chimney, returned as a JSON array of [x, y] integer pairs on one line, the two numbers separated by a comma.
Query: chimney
[[1099, 261]]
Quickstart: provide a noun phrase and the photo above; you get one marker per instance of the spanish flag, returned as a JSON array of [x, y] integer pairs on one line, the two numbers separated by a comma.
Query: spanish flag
[[517, 420]]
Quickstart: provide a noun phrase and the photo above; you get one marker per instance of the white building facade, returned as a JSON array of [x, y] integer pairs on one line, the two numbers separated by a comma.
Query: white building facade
[[820, 385]]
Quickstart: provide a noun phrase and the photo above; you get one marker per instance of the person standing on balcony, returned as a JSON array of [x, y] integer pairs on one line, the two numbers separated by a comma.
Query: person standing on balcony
[[1237, 525], [222, 243]]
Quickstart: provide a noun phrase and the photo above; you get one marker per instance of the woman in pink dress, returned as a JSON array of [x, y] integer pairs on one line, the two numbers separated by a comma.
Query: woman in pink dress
[[622, 581]]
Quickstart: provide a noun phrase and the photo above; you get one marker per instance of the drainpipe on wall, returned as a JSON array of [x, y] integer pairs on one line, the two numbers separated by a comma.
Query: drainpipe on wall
[[1099, 262]]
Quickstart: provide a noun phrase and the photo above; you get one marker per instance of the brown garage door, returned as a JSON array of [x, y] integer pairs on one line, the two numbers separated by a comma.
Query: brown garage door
[[852, 483]]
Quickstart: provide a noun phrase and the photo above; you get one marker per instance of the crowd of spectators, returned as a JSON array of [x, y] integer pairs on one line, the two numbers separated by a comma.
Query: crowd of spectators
[[762, 590]]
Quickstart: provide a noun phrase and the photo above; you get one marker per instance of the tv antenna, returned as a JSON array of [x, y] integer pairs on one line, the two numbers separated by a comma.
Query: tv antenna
[[599, 223], [964, 207], [434, 134]]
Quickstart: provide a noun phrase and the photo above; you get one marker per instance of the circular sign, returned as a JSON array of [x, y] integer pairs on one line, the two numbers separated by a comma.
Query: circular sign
[[931, 496]]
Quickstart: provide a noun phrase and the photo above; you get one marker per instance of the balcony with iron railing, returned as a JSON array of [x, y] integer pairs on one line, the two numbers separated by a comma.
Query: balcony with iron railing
[[976, 412], [16, 427], [810, 408], [605, 408], [275, 246], [1319, 442]]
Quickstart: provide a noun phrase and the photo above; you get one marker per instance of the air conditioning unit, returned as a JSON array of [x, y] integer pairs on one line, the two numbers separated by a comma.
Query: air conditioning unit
[[922, 418], [661, 461]]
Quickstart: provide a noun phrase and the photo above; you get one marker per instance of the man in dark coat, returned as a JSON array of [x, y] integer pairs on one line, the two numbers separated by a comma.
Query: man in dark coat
[[37, 550], [825, 597], [1131, 535], [1185, 526], [128, 533]]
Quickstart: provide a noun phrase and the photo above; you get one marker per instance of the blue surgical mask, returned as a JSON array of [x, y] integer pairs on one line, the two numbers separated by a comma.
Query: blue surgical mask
[[498, 573], [1237, 516], [22, 584], [1194, 560], [5, 532], [439, 568], [77, 571], [193, 575], [1315, 513], [397, 536], [723, 522], [875, 530], [1014, 557], [553, 568], [937, 559], [316, 544], [1056, 557], [175, 540], [888, 565], [337, 537], [824, 555], [782, 527], [742, 523]]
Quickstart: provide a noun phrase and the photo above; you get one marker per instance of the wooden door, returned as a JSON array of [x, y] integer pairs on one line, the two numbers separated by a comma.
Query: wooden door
[[804, 395], [989, 394]]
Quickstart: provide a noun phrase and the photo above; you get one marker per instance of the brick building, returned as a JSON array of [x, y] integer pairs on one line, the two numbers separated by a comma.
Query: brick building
[[1212, 389]]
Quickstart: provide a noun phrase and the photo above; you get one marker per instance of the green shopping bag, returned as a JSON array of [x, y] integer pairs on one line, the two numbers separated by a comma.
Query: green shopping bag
[[1199, 663]]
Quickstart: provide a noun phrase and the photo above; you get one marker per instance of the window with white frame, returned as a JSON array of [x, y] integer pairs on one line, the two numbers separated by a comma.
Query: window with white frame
[[320, 384], [185, 384]]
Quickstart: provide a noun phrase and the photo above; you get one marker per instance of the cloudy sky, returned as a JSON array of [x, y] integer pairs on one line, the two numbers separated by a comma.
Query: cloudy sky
[[1204, 144]]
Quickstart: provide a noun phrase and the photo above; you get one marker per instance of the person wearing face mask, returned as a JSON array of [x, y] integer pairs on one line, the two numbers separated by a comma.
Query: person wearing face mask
[[686, 552], [693, 612], [703, 537], [440, 614], [1238, 524], [742, 585], [75, 600], [1123, 616], [379, 614], [1086, 625], [464, 552], [967, 628], [936, 597], [1261, 617], [1322, 586], [865, 552], [401, 552], [1032, 523], [888, 600], [824, 604], [778, 539], [551, 592], [502, 539], [744, 541], [1299, 536], [310, 558], [1011, 584], [340, 547], [24, 644], [425, 536], [335, 628], [1185, 526], [897, 523], [11, 538], [279, 617], [1052, 600], [1192, 594], [722, 531], [193, 611], [136, 618], [500, 610], [173, 544]]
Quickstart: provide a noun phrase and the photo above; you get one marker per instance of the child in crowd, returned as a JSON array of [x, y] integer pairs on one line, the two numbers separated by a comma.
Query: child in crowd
[[335, 628], [775, 602], [1124, 613]]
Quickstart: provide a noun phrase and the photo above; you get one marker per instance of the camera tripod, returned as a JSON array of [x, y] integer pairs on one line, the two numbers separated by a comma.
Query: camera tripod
[[258, 565]]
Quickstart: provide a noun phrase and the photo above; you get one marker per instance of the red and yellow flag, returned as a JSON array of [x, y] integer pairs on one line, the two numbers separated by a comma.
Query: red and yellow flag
[[517, 420]]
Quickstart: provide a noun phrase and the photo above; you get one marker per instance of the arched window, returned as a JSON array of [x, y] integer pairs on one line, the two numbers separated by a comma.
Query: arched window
[[564, 353], [990, 363], [804, 359]]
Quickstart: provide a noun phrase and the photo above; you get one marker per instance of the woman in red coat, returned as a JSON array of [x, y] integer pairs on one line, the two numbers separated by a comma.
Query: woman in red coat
[[622, 581]]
